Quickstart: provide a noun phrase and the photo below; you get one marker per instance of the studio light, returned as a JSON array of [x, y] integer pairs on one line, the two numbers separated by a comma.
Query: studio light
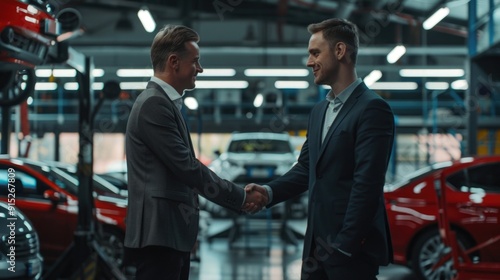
[[394, 86], [436, 18], [431, 72], [437, 85], [396, 54], [291, 84], [221, 84], [220, 72], [259, 99], [276, 72], [460, 85], [371, 78], [147, 20], [191, 103]]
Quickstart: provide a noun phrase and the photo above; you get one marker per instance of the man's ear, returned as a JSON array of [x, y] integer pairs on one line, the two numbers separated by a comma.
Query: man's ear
[[173, 61], [340, 50]]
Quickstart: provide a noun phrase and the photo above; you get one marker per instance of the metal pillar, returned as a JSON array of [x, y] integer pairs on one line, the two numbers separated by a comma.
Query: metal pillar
[[84, 259], [471, 97]]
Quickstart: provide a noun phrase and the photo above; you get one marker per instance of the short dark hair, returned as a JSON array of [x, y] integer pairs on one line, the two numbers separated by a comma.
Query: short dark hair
[[170, 39], [338, 30]]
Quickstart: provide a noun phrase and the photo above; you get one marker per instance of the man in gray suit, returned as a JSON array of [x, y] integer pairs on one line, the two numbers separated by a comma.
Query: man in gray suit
[[164, 177], [343, 163]]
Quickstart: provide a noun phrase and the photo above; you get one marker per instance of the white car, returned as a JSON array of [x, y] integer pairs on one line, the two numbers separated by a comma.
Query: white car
[[255, 157]]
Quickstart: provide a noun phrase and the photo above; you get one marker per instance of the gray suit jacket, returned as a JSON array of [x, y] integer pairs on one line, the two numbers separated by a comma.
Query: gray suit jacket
[[345, 177], [165, 178]]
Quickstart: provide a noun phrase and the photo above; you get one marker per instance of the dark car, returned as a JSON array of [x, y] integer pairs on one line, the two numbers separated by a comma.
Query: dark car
[[47, 194], [473, 206], [19, 248]]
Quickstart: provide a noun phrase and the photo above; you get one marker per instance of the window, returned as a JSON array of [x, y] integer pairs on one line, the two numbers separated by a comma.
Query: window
[[25, 184], [478, 178], [260, 146]]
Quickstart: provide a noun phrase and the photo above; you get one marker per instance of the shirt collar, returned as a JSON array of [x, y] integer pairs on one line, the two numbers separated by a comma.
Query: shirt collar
[[344, 95], [171, 92]]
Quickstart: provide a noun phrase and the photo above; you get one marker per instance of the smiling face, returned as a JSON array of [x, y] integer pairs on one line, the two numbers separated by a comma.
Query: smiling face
[[188, 66], [322, 61]]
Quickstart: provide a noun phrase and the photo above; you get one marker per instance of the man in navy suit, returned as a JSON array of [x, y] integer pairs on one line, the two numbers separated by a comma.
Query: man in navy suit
[[342, 163], [164, 176]]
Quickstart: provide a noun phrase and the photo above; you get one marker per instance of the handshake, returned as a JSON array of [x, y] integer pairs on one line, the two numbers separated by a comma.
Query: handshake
[[256, 198]]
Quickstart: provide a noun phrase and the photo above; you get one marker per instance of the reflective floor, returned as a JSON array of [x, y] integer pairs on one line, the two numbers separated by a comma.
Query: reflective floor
[[250, 258]]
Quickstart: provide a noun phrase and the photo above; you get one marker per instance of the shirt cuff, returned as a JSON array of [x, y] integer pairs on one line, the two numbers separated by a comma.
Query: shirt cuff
[[269, 193]]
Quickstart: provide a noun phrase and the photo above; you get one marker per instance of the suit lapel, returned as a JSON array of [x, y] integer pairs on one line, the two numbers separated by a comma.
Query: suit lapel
[[348, 105], [184, 129]]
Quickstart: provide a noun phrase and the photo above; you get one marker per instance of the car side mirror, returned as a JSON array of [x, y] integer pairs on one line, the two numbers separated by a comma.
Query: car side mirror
[[54, 196]]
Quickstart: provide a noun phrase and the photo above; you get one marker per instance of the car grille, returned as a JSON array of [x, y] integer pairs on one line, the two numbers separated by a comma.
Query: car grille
[[26, 245]]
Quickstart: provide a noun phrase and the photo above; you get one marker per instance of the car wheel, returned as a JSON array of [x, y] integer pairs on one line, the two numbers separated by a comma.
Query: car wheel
[[112, 242], [16, 86], [429, 250]]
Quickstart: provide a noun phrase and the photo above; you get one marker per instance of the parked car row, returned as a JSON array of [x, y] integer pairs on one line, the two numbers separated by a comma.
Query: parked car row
[[47, 194]]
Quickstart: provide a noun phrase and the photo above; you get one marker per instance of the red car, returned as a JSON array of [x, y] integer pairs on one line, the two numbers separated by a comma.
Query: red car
[[47, 195], [473, 205], [27, 31]]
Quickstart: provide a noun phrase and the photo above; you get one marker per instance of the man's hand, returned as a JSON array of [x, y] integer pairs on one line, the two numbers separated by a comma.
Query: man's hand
[[257, 198]]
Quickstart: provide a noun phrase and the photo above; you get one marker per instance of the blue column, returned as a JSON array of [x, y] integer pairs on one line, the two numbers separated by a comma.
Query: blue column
[[491, 23]]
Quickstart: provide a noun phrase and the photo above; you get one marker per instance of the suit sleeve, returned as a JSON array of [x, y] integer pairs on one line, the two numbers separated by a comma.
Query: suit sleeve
[[161, 131], [295, 181], [373, 146]]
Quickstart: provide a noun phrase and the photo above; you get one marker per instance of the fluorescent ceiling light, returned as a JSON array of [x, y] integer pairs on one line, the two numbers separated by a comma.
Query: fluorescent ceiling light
[[276, 72], [291, 84], [191, 103], [45, 86], [98, 86], [437, 85], [394, 86], [371, 78], [396, 53], [76, 86], [71, 86], [431, 72], [147, 20], [134, 72], [221, 84], [133, 85], [222, 72], [45, 73], [98, 72], [259, 99], [460, 85], [436, 18]]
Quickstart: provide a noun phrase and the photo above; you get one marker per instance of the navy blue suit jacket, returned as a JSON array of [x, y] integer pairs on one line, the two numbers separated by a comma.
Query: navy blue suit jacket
[[345, 176]]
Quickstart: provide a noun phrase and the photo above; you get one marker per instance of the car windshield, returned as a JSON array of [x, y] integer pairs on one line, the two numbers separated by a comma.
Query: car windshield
[[415, 175], [259, 146], [67, 179]]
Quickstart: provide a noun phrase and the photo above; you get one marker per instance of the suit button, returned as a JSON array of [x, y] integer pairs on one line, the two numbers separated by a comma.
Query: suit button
[[320, 176]]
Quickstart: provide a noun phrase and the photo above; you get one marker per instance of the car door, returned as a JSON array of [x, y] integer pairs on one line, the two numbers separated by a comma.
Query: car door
[[477, 197], [49, 219]]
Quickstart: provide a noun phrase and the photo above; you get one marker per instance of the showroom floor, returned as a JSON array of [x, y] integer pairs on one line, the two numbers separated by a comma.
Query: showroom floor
[[248, 258]]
